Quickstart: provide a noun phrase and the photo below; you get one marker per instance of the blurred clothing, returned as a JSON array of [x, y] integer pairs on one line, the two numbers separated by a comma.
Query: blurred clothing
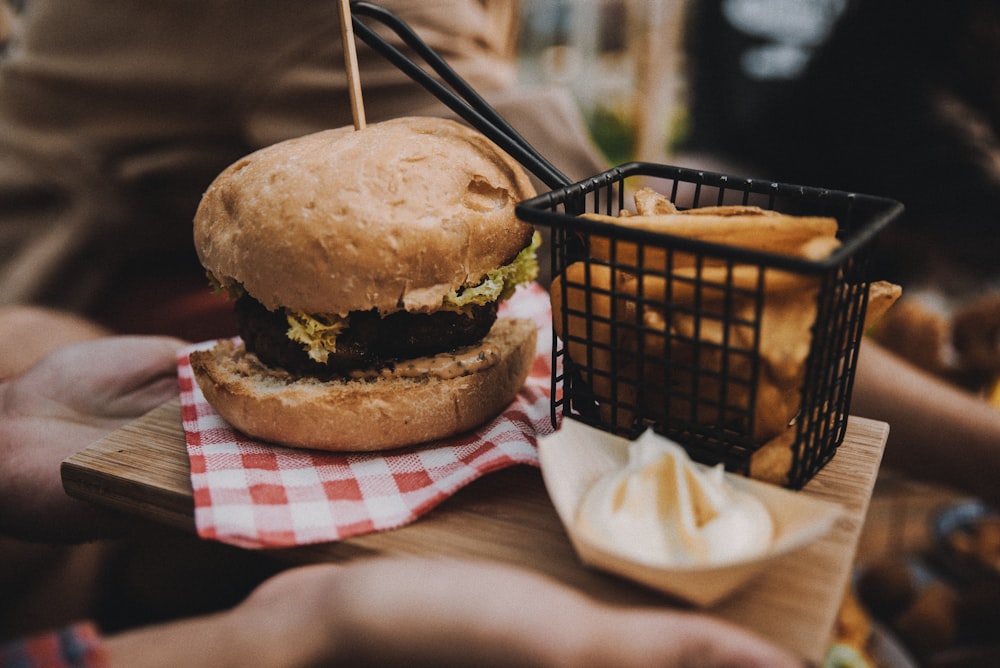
[[115, 116], [76, 646]]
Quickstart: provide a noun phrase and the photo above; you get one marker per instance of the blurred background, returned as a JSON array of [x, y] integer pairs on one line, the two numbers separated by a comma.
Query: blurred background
[[622, 60]]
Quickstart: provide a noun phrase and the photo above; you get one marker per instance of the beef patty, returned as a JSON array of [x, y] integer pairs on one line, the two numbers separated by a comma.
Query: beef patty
[[368, 341]]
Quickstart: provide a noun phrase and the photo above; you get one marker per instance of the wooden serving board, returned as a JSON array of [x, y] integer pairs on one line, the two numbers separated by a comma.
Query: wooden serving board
[[506, 516]]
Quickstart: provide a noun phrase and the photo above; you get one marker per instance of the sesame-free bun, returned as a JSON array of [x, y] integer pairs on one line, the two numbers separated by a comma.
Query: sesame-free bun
[[391, 217], [362, 415]]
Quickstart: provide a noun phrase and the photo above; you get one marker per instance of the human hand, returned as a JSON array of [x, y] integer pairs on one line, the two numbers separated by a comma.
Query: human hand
[[414, 612], [28, 333], [71, 398]]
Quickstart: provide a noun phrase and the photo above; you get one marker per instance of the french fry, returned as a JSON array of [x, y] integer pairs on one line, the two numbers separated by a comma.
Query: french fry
[[817, 248], [772, 462], [729, 210], [778, 233], [795, 236], [603, 351], [685, 347], [713, 283], [700, 369], [725, 353], [648, 202], [881, 296], [786, 331], [786, 338], [689, 375]]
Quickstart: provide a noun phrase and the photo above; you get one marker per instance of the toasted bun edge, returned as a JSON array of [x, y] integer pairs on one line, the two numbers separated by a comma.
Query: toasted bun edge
[[361, 416]]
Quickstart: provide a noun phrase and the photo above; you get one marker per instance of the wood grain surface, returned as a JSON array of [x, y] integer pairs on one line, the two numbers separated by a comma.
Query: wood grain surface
[[506, 516]]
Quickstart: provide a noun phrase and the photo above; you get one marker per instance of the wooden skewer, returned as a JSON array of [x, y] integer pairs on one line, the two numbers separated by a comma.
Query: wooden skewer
[[351, 64]]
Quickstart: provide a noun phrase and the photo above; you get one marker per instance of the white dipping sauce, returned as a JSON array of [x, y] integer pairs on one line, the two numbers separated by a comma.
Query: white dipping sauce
[[666, 510]]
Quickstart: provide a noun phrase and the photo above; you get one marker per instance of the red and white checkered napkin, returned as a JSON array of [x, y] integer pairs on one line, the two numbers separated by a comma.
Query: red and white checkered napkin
[[257, 495]]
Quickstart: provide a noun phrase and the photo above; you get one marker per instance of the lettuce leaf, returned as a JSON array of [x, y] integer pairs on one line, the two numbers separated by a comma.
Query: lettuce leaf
[[499, 283], [318, 332]]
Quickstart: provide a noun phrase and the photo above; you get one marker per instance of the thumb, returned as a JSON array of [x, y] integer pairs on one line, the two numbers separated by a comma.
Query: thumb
[[112, 377]]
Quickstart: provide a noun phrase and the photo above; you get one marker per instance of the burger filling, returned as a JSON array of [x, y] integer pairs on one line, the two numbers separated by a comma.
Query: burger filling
[[328, 346], [367, 340]]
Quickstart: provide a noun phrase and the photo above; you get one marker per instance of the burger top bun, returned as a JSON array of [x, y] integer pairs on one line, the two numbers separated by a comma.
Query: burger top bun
[[391, 217]]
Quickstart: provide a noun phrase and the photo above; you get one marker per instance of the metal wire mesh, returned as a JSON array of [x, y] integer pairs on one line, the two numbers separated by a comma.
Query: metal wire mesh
[[665, 332]]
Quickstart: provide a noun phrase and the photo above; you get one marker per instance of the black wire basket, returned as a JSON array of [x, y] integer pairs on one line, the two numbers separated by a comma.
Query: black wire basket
[[679, 335]]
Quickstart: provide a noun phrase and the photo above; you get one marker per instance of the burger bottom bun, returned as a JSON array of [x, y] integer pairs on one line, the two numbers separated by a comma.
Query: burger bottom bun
[[362, 415]]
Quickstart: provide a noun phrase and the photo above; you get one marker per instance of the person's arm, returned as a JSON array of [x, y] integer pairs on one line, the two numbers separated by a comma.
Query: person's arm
[[937, 432], [400, 611]]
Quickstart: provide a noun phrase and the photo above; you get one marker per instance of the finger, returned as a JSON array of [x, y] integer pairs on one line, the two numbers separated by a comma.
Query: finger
[[712, 643], [113, 377]]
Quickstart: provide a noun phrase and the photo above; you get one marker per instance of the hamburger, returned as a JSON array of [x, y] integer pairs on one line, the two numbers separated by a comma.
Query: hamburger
[[367, 268]]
